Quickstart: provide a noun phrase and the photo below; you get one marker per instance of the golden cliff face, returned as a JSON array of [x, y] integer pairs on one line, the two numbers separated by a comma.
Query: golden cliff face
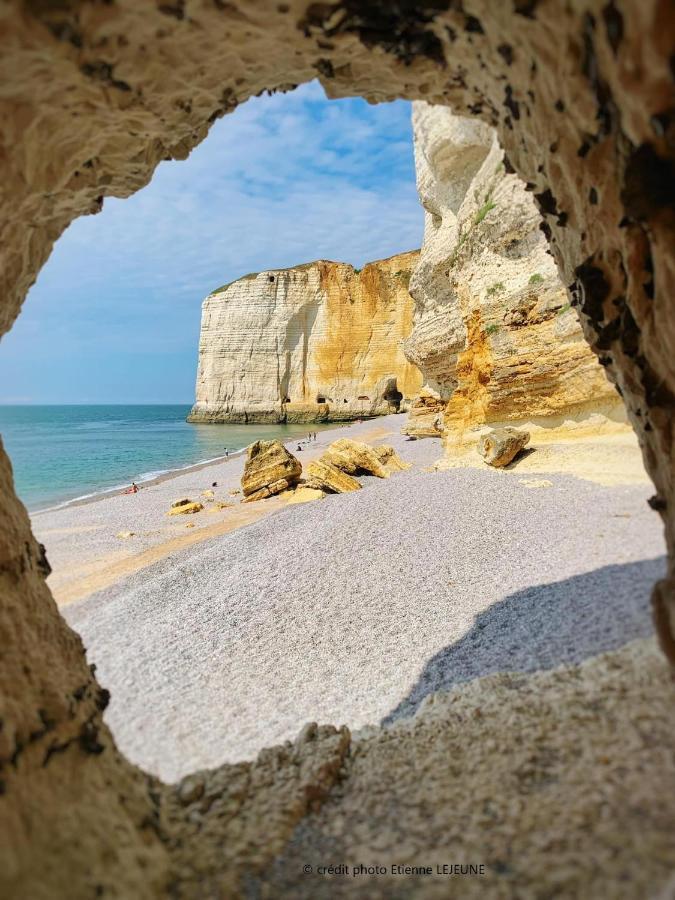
[[318, 342], [494, 333]]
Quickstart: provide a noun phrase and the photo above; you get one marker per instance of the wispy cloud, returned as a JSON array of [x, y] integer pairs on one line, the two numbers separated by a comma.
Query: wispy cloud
[[285, 179]]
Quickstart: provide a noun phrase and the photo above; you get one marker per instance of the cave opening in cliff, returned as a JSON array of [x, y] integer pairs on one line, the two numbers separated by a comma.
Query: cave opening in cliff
[[392, 395], [107, 92], [479, 330]]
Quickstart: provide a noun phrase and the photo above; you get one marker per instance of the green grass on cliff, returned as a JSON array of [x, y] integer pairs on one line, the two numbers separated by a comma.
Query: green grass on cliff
[[484, 210]]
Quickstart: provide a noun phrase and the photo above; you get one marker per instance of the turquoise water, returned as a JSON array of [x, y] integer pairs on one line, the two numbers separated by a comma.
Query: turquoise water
[[60, 453]]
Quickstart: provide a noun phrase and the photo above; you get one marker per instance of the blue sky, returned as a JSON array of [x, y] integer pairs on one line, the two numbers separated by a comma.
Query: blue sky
[[114, 315]]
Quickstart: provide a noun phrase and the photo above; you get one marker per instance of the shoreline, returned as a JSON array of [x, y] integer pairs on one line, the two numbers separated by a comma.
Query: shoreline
[[93, 542], [158, 478], [168, 474]]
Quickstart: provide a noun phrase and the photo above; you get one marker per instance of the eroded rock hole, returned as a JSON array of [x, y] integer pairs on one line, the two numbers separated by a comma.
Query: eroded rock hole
[[58, 756]]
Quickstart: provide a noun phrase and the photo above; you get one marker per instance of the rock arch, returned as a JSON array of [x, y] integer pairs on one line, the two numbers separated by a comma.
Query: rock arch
[[95, 95]]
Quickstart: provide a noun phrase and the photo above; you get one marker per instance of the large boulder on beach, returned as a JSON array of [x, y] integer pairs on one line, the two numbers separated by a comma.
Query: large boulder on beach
[[500, 446], [323, 476], [354, 457], [269, 469]]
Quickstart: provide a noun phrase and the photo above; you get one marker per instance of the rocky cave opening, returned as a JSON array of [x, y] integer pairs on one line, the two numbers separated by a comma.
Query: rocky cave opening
[[392, 394], [124, 88]]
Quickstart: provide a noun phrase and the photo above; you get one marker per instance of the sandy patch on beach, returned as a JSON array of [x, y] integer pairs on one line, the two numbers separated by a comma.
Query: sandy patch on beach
[[612, 458], [105, 571]]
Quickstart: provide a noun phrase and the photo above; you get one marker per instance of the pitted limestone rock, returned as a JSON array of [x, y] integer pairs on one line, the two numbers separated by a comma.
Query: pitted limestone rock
[[494, 332]]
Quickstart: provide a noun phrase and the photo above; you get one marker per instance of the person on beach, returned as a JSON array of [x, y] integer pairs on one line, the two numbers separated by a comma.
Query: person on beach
[[133, 489], [227, 452]]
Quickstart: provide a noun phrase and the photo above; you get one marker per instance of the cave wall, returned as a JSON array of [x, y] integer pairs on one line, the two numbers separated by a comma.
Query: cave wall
[[94, 96]]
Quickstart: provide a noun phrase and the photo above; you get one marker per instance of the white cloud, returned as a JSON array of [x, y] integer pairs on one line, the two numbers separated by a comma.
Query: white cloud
[[285, 179]]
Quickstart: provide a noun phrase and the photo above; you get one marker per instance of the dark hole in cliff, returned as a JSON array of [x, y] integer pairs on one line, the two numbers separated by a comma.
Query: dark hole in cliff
[[392, 394]]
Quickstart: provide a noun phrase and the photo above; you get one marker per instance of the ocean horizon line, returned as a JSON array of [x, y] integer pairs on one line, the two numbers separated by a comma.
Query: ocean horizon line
[[96, 403]]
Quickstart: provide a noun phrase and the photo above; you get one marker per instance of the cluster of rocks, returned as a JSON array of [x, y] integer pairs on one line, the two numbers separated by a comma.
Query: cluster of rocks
[[271, 469]]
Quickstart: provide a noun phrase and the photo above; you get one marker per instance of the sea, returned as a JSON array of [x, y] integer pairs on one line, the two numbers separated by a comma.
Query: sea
[[65, 453]]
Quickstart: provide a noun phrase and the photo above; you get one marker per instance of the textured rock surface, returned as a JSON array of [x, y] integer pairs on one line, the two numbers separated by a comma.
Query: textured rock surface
[[494, 333], [324, 476], [94, 97], [269, 490], [390, 458], [501, 445], [425, 418], [316, 342], [523, 775], [269, 469], [355, 458]]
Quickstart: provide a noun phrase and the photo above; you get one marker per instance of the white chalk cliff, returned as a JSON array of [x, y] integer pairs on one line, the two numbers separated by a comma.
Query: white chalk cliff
[[316, 342], [494, 333]]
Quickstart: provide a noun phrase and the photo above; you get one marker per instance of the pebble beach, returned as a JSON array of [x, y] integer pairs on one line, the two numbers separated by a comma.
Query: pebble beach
[[220, 639]]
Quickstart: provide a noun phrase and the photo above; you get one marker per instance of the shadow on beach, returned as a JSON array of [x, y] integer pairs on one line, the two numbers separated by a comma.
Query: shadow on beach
[[541, 627]]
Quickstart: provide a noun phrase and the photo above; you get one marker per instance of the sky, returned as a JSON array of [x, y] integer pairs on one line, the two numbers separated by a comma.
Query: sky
[[114, 315]]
